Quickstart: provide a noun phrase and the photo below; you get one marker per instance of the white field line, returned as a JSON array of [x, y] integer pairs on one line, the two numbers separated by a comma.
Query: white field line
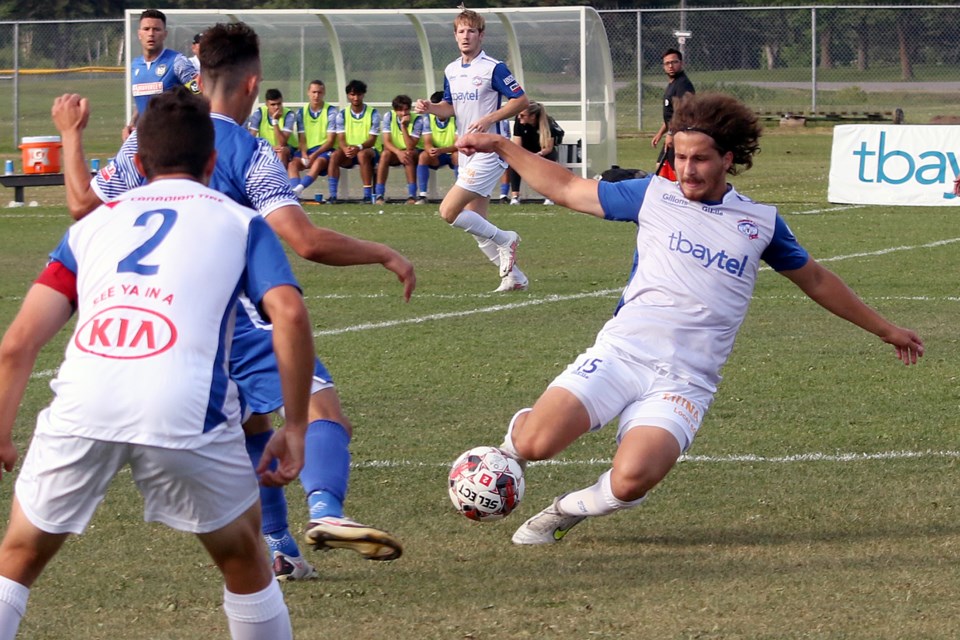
[[579, 296], [800, 457]]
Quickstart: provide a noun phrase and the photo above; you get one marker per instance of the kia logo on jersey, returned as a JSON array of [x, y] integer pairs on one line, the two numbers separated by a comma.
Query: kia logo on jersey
[[126, 333]]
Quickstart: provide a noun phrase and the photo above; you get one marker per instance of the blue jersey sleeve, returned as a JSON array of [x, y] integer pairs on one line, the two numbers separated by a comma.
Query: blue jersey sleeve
[[332, 113], [289, 121], [267, 185], [64, 254], [186, 73], [253, 122], [784, 253], [621, 200], [504, 82], [447, 97], [267, 265], [120, 175]]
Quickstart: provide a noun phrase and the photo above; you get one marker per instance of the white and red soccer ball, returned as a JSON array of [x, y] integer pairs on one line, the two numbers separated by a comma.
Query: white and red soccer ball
[[485, 484]]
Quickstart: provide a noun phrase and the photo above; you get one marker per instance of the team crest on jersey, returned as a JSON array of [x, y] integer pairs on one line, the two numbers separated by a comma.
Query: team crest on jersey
[[748, 228], [161, 69], [108, 172], [477, 81]]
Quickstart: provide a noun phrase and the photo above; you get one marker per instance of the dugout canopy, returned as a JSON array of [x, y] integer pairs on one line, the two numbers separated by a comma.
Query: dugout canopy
[[560, 56]]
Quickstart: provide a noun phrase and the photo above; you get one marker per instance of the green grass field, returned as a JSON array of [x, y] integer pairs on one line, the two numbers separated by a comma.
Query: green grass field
[[819, 500]]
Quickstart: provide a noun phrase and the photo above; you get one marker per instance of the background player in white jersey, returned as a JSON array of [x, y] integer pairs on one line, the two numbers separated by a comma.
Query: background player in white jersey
[[657, 362], [147, 314], [474, 88], [158, 69], [248, 172]]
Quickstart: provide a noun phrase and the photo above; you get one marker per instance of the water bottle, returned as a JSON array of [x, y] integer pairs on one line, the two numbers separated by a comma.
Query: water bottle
[[95, 165], [8, 168]]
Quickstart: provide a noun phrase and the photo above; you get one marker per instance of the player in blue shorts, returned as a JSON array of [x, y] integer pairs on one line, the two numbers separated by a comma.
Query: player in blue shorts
[[656, 364], [317, 133], [248, 171], [158, 69], [143, 383]]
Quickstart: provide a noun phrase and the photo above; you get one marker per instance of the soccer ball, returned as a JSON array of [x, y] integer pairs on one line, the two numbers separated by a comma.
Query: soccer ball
[[485, 483]]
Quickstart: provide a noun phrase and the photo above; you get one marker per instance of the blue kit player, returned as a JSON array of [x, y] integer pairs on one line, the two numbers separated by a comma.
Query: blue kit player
[[158, 69], [248, 171]]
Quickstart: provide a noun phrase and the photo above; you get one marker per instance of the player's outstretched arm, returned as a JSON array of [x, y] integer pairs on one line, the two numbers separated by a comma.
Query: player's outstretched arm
[[546, 177], [326, 246], [829, 291], [71, 113], [43, 312], [293, 346]]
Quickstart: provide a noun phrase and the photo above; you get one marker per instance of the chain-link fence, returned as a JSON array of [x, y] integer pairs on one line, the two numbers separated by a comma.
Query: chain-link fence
[[834, 62], [846, 61]]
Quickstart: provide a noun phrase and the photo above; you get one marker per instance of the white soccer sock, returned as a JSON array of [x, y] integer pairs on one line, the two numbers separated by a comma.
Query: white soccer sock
[[475, 224], [258, 616], [595, 500], [489, 249], [507, 444], [13, 604]]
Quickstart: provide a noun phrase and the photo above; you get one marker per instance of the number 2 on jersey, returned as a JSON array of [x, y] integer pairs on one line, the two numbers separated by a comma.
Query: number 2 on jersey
[[132, 263]]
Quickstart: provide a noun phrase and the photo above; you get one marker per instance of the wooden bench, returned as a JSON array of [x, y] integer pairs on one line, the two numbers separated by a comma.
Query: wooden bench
[[20, 181]]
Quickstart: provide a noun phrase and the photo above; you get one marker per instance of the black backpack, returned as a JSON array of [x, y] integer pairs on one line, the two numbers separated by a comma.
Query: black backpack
[[556, 131], [616, 174]]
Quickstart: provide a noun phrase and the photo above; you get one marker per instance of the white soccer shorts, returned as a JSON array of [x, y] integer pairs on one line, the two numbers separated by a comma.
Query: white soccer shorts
[[610, 386], [64, 478], [480, 173]]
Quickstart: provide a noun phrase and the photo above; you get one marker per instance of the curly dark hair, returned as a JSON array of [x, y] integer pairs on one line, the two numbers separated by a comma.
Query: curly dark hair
[[731, 124]]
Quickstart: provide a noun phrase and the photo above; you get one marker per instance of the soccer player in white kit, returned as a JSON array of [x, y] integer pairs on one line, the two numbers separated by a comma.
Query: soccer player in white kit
[[154, 278], [249, 173], [474, 88], [656, 363]]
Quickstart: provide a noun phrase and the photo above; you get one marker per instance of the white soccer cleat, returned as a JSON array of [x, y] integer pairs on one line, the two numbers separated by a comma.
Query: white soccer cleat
[[514, 200], [287, 568], [332, 532], [297, 190], [511, 283], [547, 527], [508, 253], [548, 201]]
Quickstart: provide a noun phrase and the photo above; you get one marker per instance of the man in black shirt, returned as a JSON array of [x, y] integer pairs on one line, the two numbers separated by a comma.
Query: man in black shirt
[[678, 86]]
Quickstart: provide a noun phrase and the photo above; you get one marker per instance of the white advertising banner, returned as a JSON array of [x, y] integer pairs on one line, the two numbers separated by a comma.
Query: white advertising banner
[[892, 164]]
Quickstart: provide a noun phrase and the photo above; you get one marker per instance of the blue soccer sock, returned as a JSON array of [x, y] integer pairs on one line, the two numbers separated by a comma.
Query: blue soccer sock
[[273, 502], [334, 184], [294, 182], [367, 193], [423, 177], [380, 189], [306, 181], [504, 189], [326, 469], [411, 189], [283, 542]]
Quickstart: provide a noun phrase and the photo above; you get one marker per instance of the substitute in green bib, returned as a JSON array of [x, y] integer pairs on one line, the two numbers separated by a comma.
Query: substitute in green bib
[[401, 138], [358, 140], [274, 123], [317, 137]]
